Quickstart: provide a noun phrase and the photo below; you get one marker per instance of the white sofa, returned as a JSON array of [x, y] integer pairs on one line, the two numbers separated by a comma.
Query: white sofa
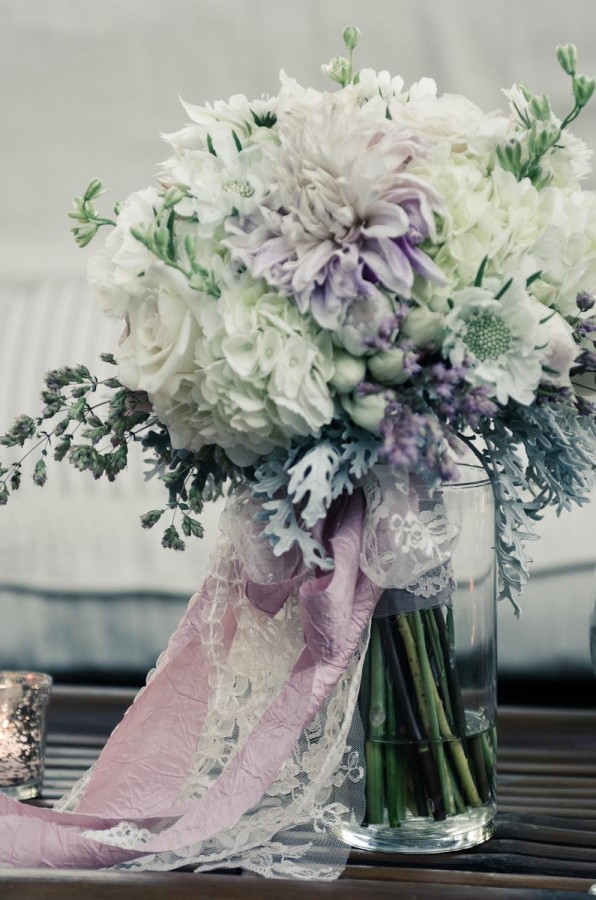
[[90, 86], [84, 589]]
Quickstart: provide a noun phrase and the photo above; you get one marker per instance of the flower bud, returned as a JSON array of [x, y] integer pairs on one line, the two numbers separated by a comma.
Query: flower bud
[[585, 301], [351, 36], [173, 195], [583, 88], [161, 238], [93, 190], [423, 326], [367, 410], [338, 69], [526, 91], [349, 372], [387, 366], [542, 136], [541, 178], [567, 56], [540, 106], [510, 156]]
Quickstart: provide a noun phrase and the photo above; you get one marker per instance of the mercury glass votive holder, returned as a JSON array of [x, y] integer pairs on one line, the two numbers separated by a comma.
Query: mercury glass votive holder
[[23, 703]]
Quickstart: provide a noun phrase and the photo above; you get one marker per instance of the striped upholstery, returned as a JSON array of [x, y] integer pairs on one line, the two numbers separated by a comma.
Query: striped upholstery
[[81, 584], [83, 587]]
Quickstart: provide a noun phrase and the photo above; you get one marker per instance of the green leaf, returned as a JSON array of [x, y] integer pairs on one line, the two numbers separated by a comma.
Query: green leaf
[[40, 473], [480, 273], [504, 289], [171, 540], [533, 278], [191, 527], [149, 519]]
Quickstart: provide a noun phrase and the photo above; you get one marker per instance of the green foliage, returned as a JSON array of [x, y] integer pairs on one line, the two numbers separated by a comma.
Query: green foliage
[[85, 214], [540, 131], [536, 456], [94, 434], [341, 68]]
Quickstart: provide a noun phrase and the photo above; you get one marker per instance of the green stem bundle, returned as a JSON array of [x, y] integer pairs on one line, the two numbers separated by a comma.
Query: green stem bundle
[[422, 759]]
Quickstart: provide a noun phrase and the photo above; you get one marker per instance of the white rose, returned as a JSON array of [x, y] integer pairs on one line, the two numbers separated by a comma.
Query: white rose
[[162, 331]]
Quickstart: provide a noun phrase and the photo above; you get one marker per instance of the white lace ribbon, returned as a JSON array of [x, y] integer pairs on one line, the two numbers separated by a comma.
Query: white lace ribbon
[[292, 830]]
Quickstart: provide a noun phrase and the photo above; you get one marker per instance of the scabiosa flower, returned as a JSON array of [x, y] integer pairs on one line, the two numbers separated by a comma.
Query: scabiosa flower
[[348, 217], [498, 338]]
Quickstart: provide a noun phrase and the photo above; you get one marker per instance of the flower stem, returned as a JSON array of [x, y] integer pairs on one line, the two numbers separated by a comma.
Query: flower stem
[[395, 764], [422, 769], [377, 717], [427, 713]]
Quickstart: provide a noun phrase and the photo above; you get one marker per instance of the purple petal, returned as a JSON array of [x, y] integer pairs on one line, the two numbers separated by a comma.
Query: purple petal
[[389, 264], [422, 263]]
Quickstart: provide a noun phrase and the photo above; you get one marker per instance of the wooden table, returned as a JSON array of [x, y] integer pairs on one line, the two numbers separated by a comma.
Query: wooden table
[[544, 845]]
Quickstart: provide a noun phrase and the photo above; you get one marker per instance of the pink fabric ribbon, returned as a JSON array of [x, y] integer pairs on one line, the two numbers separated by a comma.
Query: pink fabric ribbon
[[142, 768]]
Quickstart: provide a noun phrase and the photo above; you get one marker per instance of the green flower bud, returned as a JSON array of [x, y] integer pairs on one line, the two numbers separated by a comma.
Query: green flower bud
[[93, 190], [190, 245], [351, 36], [349, 372], [541, 178], [510, 156], [173, 195], [583, 88], [366, 411], [542, 136], [423, 327], [541, 108], [387, 366], [567, 56], [161, 238], [526, 91], [339, 69], [84, 234]]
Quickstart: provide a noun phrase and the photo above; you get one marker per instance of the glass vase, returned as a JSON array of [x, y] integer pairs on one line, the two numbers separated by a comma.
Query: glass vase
[[428, 698]]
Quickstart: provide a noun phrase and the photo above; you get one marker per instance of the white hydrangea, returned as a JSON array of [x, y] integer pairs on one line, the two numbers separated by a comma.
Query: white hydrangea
[[260, 375]]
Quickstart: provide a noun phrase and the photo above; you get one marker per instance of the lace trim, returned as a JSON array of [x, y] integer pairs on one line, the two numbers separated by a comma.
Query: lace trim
[[291, 831]]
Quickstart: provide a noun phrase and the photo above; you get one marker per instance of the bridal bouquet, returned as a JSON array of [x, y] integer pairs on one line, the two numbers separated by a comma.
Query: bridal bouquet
[[320, 283]]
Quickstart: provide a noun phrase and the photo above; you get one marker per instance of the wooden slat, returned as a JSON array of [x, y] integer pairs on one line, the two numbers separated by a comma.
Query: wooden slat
[[74, 885], [544, 844]]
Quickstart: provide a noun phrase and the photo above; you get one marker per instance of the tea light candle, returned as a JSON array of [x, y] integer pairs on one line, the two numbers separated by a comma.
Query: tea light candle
[[23, 701], [11, 768]]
